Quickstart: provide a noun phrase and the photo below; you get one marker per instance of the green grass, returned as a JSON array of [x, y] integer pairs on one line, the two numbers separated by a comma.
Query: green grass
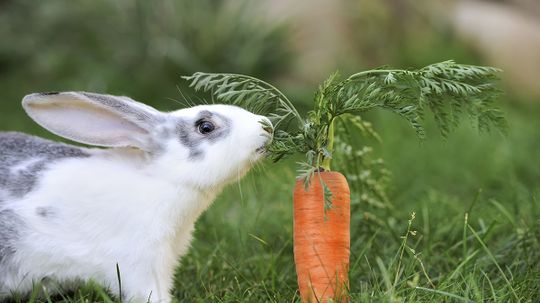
[[474, 236]]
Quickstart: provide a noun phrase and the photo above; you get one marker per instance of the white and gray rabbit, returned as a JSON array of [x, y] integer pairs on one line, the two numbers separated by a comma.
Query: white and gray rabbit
[[69, 213]]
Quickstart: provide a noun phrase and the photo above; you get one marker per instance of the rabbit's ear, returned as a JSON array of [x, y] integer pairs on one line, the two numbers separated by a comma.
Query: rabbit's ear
[[94, 119]]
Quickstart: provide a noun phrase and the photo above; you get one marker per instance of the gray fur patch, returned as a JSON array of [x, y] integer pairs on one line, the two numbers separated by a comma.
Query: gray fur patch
[[191, 138], [23, 157], [10, 228], [45, 212]]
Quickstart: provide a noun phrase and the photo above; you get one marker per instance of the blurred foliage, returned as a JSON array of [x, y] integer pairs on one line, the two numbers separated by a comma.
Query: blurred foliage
[[137, 48], [406, 34]]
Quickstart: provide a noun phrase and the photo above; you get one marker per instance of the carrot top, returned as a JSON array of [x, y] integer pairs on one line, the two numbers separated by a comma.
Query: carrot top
[[448, 90]]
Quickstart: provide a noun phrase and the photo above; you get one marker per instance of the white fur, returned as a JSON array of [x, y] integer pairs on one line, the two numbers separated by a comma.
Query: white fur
[[128, 207]]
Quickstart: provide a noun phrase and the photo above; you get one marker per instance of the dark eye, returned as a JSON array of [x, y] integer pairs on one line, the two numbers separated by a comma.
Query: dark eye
[[206, 127]]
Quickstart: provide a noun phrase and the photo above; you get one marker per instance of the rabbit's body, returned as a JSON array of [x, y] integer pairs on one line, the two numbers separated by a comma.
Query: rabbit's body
[[136, 217], [69, 213]]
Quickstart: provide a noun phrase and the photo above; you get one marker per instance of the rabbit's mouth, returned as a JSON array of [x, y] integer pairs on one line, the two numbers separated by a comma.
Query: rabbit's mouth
[[261, 150]]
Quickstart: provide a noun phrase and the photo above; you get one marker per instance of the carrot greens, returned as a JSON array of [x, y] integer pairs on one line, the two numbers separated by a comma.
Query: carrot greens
[[447, 89]]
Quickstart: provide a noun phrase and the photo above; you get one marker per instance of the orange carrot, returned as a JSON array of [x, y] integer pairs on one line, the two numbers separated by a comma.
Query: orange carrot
[[322, 239]]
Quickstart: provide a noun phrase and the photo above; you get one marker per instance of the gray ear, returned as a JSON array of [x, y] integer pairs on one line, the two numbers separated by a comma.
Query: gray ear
[[94, 119]]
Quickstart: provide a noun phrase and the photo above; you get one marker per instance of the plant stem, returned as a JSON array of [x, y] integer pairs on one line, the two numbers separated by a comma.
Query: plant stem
[[376, 71], [330, 146]]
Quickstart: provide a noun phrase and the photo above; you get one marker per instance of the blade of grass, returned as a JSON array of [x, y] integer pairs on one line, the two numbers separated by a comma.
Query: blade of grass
[[493, 294], [494, 260], [119, 281], [504, 211], [463, 263], [444, 293]]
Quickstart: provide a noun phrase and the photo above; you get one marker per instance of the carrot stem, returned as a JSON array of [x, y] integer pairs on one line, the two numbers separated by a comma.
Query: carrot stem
[[327, 161]]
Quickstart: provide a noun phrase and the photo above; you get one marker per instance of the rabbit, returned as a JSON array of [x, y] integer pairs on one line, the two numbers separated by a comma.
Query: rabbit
[[71, 213]]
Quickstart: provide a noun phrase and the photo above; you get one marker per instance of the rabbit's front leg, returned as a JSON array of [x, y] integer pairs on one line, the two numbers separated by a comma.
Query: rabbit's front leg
[[145, 289], [150, 280]]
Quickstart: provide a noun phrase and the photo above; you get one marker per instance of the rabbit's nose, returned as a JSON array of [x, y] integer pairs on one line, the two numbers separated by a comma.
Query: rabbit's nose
[[267, 125], [269, 129]]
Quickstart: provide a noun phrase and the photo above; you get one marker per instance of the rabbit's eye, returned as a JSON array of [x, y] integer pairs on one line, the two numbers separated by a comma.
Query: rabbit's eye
[[205, 127]]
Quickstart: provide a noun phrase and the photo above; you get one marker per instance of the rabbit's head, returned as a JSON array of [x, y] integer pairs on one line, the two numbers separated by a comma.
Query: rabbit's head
[[204, 146]]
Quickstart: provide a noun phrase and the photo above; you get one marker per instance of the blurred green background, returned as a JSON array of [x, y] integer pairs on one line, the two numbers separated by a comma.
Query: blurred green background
[[243, 249]]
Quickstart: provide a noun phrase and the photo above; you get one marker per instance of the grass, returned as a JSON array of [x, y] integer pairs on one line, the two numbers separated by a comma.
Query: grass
[[463, 227]]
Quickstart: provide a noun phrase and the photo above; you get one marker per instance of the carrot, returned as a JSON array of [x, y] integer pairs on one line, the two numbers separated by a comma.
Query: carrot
[[322, 238]]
